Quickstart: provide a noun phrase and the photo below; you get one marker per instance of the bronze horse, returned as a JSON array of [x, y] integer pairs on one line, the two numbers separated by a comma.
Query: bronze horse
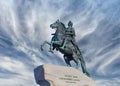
[[70, 52]]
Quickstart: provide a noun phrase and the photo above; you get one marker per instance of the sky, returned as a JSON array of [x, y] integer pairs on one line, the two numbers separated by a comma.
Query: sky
[[25, 25]]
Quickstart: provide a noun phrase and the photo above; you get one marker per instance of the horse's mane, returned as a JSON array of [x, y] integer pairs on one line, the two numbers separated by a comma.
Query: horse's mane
[[63, 24]]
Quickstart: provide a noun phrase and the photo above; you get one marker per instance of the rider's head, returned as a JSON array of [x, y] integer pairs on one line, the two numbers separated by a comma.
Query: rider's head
[[70, 23]]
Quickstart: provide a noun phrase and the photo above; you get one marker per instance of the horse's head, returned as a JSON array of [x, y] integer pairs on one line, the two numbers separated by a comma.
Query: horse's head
[[57, 24], [60, 30]]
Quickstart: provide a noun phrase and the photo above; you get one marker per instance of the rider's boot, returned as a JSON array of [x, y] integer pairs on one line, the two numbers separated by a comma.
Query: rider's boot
[[63, 46]]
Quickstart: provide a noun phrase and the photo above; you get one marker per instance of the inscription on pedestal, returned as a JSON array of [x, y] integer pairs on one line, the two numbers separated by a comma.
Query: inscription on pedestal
[[70, 79]]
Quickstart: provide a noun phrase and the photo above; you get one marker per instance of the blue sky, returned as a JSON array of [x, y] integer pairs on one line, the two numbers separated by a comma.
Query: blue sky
[[24, 25]]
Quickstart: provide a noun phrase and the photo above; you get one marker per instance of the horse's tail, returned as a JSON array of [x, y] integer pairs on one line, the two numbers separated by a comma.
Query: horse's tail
[[83, 64], [80, 54]]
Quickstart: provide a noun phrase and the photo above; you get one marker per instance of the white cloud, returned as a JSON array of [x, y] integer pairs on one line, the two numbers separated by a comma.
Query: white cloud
[[108, 82]]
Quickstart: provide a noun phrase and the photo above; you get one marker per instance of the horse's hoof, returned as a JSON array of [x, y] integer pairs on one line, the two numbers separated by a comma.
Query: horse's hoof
[[51, 51], [87, 74], [68, 65], [41, 48]]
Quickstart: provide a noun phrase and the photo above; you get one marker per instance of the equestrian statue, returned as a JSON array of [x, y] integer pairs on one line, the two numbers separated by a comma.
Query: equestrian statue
[[63, 40]]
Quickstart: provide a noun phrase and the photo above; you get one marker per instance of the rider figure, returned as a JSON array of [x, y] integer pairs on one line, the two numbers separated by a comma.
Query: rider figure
[[69, 35]]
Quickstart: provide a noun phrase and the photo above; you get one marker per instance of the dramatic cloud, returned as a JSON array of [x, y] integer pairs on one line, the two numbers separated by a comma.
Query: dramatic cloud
[[24, 25]]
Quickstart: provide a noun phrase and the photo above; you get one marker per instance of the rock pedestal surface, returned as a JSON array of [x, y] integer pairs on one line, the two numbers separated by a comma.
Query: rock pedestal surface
[[50, 75]]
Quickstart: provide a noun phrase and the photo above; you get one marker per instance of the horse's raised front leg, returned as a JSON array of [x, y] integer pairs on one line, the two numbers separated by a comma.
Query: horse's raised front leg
[[46, 42], [67, 61]]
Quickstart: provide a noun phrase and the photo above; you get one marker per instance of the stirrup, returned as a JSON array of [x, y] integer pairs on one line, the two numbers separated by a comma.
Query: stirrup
[[62, 47]]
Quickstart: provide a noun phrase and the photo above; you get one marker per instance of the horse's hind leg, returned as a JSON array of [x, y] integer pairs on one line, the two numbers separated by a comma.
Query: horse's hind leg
[[77, 64], [67, 61], [76, 59]]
